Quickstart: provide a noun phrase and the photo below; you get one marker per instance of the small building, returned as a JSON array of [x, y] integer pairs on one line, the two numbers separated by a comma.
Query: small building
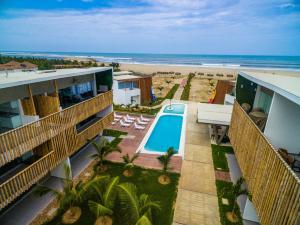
[[264, 133], [18, 66], [131, 89], [46, 120]]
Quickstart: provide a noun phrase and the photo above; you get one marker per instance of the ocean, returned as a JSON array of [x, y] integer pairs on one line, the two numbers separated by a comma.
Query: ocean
[[224, 61]]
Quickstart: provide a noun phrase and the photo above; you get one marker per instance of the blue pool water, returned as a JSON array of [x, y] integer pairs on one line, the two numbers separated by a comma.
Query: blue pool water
[[176, 109], [166, 134]]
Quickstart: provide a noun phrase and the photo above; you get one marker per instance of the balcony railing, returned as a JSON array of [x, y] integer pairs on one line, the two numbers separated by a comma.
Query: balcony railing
[[16, 142], [22, 181], [274, 186]]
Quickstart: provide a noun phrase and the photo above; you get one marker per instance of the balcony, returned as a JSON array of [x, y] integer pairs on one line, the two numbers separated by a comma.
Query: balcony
[[22, 181], [15, 143], [274, 186]]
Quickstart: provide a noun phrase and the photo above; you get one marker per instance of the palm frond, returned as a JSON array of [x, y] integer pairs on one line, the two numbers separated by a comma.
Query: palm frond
[[144, 220], [110, 193], [129, 202], [98, 209]]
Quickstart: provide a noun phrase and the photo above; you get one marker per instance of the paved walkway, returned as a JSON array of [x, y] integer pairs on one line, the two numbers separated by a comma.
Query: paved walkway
[[179, 91], [197, 202], [130, 145]]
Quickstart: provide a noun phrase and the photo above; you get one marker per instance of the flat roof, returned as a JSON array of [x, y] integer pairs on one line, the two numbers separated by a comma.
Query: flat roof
[[11, 79], [287, 86], [214, 113], [126, 77], [122, 73]]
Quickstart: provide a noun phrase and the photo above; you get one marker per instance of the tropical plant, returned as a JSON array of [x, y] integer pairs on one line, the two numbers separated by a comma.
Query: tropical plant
[[136, 210], [160, 88], [107, 193], [70, 197], [165, 161], [168, 82], [103, 149], [129, 164], [236, 190]]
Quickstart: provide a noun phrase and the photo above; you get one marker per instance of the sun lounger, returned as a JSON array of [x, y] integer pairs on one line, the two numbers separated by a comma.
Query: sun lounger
[[124, 124], [141, 122], [117, 116], [130, 118], [144, 119], [138, 127], [127, 120]]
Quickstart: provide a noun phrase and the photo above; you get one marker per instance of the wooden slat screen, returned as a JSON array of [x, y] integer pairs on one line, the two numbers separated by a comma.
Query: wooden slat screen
[[274, 186], [16, 142], [22, 181]]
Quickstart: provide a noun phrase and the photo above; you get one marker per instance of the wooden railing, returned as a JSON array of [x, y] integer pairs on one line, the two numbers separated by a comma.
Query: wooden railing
[[92, 131], [21, 182], [16, 142], [274, 186]]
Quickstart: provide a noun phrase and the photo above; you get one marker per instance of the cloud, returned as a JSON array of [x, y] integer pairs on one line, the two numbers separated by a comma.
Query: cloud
[[287, 5], [156, 26]]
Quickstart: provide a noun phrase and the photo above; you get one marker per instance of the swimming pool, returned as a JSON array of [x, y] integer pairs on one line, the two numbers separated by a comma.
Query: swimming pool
[[175, 109], [165, 134], [167, 130]]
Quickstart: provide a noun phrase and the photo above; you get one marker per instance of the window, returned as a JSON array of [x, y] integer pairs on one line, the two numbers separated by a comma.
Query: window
[[128, 85]]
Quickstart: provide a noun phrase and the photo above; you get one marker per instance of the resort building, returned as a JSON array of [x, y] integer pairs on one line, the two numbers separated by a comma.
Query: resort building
[[130, 89], [46, 118], [264, 133]]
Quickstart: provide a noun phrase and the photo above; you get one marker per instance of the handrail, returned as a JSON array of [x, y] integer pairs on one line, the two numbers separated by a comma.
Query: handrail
[[274, 186], [23, 180], [16, 142]]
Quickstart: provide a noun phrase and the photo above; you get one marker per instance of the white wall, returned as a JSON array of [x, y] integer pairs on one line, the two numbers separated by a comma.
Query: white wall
[[283, 124], [250, 212], [123, 96]]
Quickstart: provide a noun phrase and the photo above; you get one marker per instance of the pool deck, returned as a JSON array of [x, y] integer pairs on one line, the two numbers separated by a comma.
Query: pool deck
[[130, 144], [197, 202]]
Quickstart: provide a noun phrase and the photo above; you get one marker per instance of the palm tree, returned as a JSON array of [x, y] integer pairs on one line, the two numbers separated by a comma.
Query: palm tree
[[160, 88], [103, 149], [70, 197], [129, 164], [236, 190], [165, 161], [136, 210], [168, 82], [103, 208]]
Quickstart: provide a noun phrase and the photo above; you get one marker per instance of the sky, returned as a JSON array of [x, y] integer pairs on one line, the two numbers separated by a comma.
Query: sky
[[250, 27]]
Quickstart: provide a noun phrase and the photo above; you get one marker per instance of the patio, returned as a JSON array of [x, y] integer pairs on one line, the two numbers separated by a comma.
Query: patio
[[131, 142]]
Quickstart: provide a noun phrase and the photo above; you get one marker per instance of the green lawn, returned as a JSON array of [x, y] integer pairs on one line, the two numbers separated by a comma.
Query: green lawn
[[219, 158], [222, 186], [146, 182]]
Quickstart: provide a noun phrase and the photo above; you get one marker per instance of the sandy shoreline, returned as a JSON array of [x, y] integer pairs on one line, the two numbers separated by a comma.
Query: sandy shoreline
[[150, 69]]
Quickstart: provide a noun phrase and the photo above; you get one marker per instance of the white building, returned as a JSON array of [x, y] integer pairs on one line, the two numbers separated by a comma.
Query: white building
[[130, 89]]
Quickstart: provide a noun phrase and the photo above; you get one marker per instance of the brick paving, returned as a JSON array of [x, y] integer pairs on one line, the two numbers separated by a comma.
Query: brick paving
[[222, 175], [130, 145]]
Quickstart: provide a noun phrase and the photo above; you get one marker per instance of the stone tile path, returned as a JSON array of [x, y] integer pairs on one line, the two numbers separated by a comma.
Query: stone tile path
[[197, 202], [130, 146]]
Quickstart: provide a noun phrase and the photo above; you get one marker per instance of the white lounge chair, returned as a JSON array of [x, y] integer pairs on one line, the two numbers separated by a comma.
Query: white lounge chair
[[117, 119], [130, 118], [117, 116], [144, 119], [123, 124], [141, 122], [138, 127], [127, 120]]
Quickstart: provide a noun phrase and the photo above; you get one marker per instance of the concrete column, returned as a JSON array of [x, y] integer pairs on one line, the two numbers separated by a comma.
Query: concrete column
[[250, 212], [59, 170]]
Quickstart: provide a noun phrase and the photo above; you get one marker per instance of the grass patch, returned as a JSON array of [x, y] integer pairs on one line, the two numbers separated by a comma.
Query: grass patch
[[113, 133], [186, 91], [146, 182], [219, 158], [136, 110], [223, 209], [169, 95]]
